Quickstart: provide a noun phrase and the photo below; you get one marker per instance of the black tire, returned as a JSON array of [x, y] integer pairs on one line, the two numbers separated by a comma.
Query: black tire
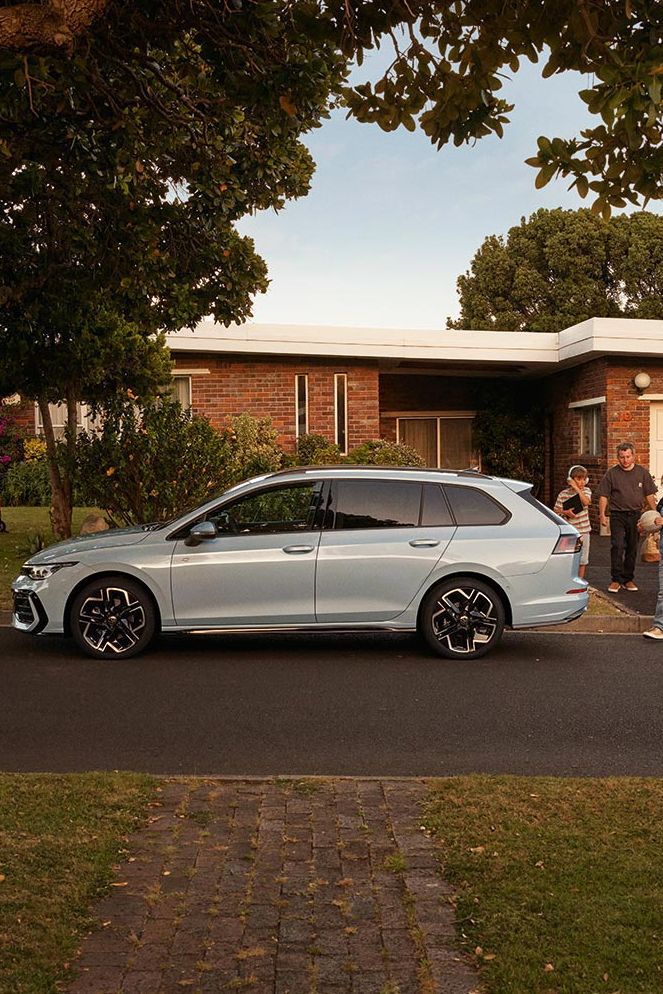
[[113, 618], [462, 618]]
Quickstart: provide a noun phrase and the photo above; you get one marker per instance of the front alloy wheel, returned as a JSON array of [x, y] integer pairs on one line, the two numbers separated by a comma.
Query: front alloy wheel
[[112, 618], [462, 618]]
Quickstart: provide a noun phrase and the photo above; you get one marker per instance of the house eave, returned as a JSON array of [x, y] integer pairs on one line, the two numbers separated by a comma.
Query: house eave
[[512, 353]]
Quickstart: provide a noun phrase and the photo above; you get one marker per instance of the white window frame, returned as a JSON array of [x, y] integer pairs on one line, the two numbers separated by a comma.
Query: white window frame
[[595, 432], [298, 377], [341, 378], [187, 377]]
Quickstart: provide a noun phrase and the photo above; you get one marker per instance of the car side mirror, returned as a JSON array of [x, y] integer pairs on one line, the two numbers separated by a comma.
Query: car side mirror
[[204, 531]]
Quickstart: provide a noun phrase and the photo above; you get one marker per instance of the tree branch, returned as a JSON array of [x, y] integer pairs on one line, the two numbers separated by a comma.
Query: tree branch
[[35, 27]]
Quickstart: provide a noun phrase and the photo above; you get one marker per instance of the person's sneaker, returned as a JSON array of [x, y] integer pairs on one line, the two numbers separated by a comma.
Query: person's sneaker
[[654, 633], [614, 588], [630, 585]]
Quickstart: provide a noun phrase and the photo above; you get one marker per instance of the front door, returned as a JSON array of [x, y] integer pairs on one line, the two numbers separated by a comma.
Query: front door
[[381, 540], [260, 567]]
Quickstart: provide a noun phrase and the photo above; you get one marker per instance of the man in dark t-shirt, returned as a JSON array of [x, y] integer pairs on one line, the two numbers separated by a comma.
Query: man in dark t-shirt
[[627, 487]]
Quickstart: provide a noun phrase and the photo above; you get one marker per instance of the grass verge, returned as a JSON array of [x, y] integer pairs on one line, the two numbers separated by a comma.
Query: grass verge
[[559, 882], [22, 524], [59, 839]]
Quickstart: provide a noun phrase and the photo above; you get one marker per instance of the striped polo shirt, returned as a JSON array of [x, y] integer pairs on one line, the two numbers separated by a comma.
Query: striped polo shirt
[[580, 520]]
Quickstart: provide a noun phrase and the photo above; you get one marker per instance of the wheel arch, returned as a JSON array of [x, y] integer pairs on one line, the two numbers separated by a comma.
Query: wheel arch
[[99, 576], [473, 574]]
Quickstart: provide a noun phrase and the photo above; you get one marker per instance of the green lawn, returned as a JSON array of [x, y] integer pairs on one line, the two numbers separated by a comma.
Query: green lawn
[[23, 523], [59, 839], [560, 882]]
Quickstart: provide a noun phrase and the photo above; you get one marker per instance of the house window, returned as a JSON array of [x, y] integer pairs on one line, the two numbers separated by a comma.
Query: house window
[[590, 430], [301, 404], [84, 419], [341, 410], [180, 390], [444, 442]]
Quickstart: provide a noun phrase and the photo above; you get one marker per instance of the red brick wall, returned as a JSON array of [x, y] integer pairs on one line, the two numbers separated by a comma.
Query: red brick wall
[[23, 415], [561, 389], [625, 418], [266, 388], [628, 417]]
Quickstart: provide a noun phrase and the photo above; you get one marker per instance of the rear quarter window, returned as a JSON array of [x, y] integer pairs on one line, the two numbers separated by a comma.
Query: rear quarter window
[[474, 507]]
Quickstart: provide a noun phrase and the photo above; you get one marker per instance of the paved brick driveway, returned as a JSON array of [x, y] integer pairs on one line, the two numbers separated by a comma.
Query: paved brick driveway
[[304, 887]]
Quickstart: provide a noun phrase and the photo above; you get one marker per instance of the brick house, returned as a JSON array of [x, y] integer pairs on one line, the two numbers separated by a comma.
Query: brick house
[[424, 387]]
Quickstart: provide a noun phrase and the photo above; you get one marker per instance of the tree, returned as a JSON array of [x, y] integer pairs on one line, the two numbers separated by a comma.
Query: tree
[[449, 60], [559, 267], [117, 216]]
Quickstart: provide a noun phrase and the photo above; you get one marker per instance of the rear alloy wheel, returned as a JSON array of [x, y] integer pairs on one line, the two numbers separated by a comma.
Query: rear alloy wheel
[[462, 618], [113, 618]]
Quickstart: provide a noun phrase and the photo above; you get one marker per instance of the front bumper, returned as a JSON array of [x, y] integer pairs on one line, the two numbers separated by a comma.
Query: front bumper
[[28, 614]]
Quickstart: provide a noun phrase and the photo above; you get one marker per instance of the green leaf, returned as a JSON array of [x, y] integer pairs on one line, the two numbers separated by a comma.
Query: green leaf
[[545, 175]]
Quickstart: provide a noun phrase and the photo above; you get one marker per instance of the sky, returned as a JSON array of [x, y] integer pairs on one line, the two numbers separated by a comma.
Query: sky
[[390, 222]]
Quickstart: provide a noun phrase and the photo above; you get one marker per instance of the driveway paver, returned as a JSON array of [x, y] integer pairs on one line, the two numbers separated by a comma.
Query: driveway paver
[[278, 887]]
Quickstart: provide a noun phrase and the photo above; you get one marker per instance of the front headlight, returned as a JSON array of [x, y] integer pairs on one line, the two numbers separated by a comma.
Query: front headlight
[[44, 572]]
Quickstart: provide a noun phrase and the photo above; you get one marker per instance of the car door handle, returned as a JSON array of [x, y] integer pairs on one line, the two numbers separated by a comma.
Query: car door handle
[[418, 543], [298, 550]]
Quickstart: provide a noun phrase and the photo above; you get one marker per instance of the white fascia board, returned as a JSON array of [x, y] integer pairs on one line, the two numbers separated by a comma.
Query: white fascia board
[[589, 339], [378, 343], [612, 336]]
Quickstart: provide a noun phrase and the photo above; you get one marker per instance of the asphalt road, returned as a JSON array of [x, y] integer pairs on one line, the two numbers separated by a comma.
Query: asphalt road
[[348, 705]]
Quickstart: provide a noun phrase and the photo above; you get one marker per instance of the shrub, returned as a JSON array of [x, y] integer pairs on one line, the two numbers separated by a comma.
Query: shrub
[[509, 432], [316, 450], [11, 446], [34, 448], [252, 448], [151, 463], [27, 483], [381, 452]]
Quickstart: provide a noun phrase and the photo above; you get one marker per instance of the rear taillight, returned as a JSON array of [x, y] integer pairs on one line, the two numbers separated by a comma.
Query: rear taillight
[[567, 545]]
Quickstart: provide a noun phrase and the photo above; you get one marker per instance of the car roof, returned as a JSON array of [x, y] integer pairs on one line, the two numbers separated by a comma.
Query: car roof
[[388, 471]]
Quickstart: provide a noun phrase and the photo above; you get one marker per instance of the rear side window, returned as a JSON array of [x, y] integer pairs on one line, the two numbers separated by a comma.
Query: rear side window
[[474, 507], [434, 508], [375, 504]]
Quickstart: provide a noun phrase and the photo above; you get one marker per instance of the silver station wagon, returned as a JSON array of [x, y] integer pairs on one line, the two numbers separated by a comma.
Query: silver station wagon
[[456, 556]]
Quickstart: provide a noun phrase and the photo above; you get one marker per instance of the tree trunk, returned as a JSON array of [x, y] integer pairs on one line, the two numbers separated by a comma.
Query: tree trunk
[[60, 484]]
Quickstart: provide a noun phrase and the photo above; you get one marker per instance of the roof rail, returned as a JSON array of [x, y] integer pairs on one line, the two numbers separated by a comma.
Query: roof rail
[[350, 467]]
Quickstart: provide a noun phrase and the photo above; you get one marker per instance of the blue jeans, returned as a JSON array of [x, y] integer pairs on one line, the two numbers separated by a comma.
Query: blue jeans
[[658, 613]]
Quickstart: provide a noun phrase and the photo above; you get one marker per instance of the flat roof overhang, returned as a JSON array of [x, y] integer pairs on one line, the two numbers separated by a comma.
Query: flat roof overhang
[[459, 353]]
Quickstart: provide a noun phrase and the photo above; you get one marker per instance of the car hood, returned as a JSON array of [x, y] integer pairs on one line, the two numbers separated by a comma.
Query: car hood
[[88, 543]]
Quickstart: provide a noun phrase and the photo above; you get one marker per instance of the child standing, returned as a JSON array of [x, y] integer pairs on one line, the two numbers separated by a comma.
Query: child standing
[[579, 494]]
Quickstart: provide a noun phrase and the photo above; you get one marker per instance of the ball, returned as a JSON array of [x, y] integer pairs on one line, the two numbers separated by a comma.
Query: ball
[[647, 521]]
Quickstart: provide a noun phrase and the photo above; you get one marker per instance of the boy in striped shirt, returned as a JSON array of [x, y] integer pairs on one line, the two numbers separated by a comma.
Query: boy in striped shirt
[[579, 518]]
